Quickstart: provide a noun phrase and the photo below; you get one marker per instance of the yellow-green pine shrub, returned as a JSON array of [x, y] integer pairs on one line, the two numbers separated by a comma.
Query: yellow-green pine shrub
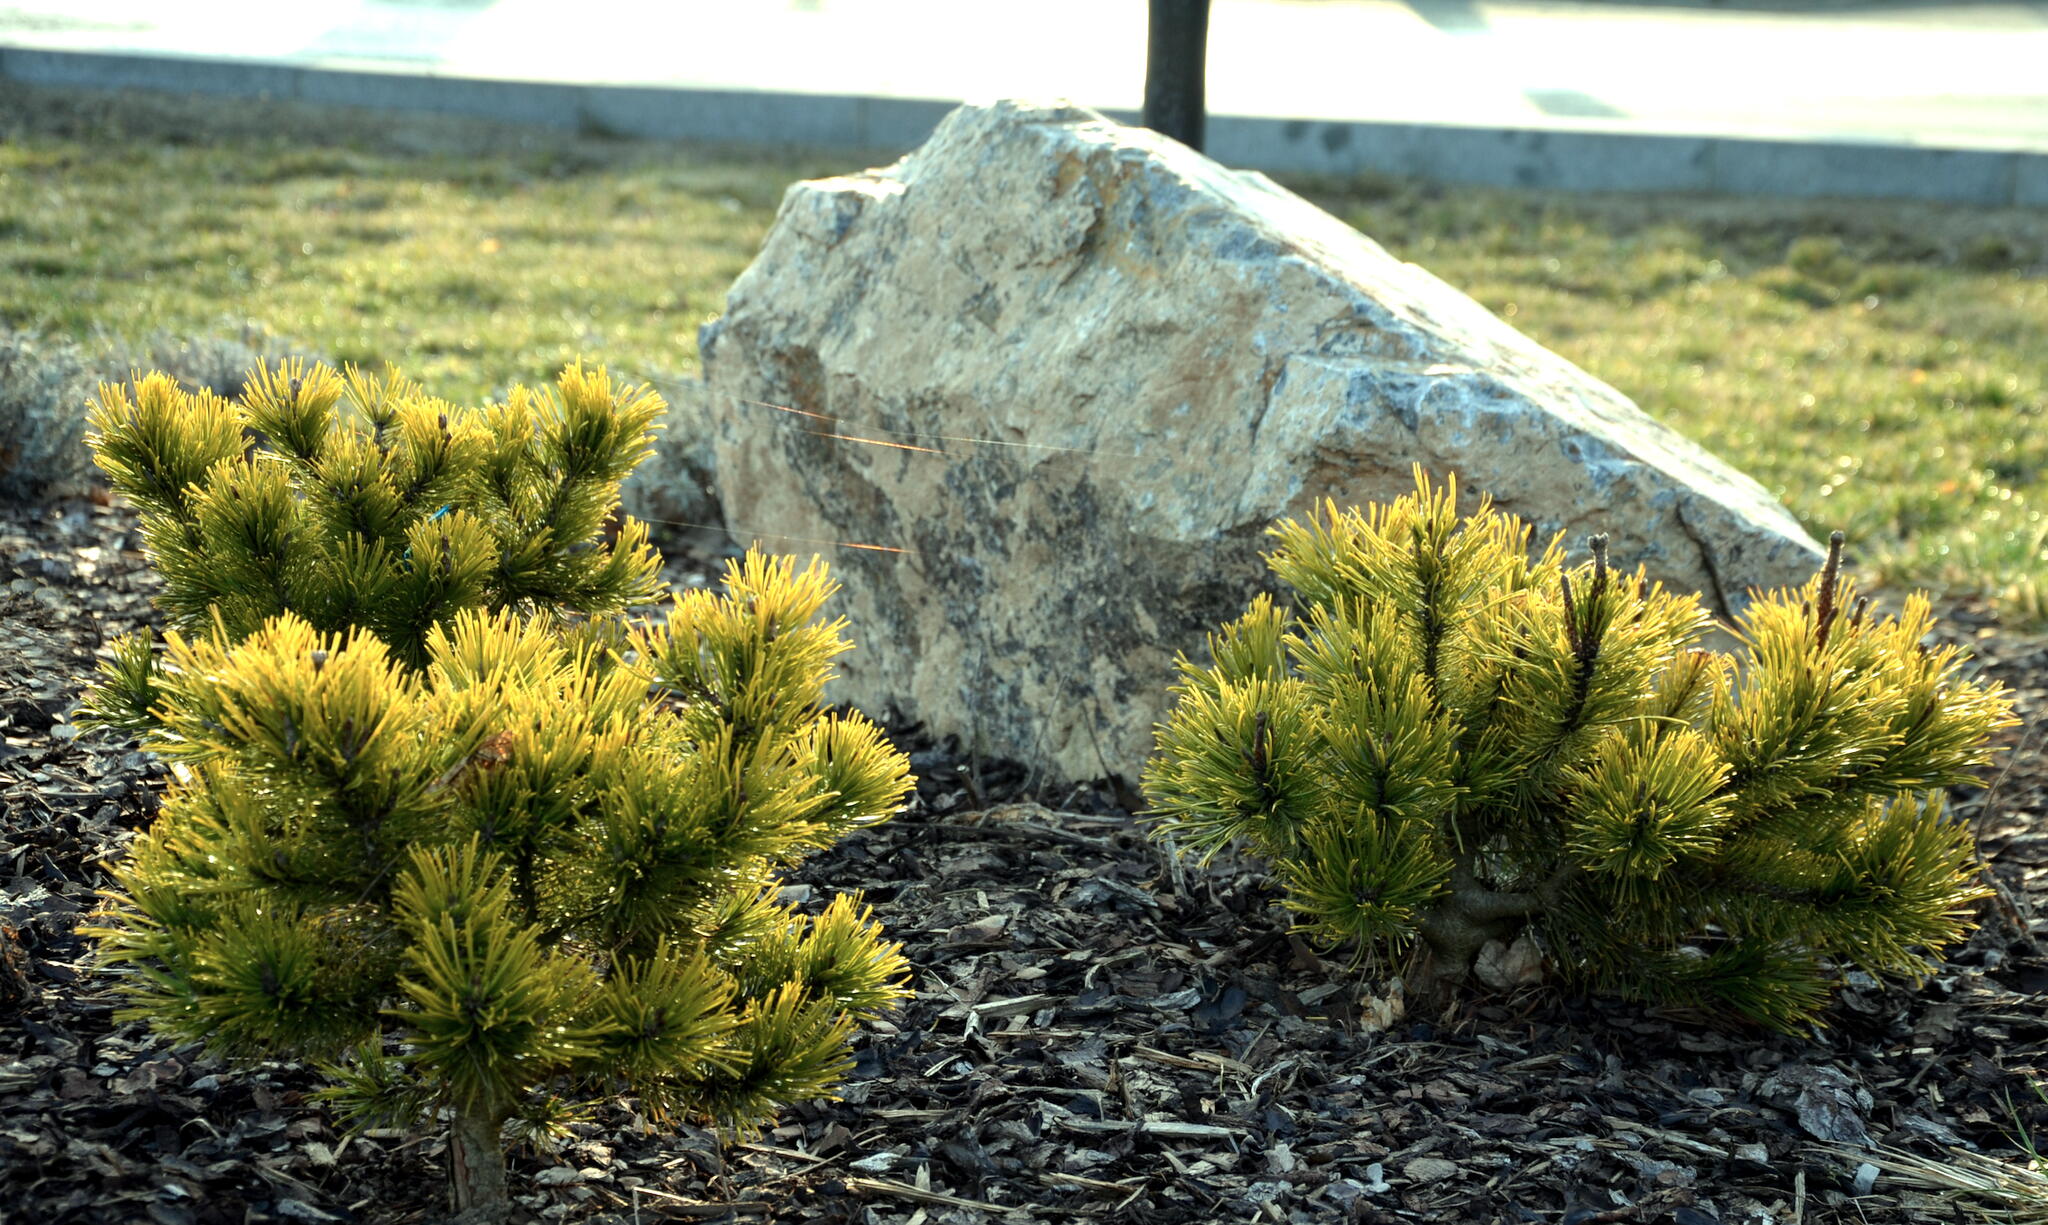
[[1451, 741], [483, 858]]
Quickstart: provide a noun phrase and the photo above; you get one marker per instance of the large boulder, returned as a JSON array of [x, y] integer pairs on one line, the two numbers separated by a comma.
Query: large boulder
[[1041, 386]]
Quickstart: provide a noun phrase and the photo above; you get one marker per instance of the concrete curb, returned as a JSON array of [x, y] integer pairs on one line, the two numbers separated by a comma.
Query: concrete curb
[[1563, 159]]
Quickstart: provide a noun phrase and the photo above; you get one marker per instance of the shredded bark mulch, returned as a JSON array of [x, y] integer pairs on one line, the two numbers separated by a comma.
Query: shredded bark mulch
[[1097, 1031]]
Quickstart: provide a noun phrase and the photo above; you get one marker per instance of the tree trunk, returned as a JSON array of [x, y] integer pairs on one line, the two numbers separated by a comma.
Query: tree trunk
[[1459, 923], [1176, 54], [476, 1170], [1451, 940]]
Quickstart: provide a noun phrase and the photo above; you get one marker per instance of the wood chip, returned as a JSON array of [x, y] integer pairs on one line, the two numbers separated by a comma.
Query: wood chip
[[879, 1186]]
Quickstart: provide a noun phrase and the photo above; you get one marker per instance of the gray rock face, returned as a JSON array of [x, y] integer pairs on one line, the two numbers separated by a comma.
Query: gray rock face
[[1072, 371], [673, 490]]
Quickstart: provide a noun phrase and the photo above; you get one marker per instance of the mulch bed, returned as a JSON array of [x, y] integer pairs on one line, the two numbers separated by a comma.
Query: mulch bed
[[1096, 1032]]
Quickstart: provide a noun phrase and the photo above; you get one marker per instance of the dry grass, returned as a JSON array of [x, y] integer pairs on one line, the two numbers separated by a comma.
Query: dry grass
[[1987, 1188]]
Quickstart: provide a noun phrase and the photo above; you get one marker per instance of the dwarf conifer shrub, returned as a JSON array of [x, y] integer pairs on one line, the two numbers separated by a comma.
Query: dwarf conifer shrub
[[1452, 742], [483, 862]]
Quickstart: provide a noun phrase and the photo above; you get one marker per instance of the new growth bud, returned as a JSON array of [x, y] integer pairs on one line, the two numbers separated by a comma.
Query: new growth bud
[[1830, 583]]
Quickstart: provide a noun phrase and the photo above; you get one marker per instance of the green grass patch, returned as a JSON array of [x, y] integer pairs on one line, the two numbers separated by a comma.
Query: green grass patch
[[472, 255], [1881, 367]]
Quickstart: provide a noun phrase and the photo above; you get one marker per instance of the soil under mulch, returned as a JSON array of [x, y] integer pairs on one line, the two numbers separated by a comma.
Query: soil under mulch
[[1096, 1031]]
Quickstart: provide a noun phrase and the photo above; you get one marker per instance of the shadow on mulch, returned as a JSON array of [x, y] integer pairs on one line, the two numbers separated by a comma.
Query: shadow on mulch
[[1095, 1033]]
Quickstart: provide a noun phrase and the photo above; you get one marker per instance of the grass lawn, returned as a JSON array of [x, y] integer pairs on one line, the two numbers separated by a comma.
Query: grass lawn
[[1881, 367]]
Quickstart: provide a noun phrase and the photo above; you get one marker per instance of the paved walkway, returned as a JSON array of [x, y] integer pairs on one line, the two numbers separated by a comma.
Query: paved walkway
[[1345, 78]]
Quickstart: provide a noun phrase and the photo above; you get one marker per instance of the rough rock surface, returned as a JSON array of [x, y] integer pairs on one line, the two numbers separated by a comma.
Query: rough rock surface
[[1072, 370]]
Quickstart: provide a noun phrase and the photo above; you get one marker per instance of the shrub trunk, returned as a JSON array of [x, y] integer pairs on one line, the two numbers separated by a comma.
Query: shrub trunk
[[476, 1169]]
